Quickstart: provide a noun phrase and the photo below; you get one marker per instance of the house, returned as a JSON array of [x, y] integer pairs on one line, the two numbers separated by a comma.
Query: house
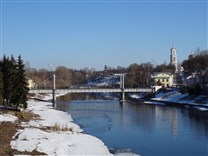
[[206, 79], [31, 83], [193, 79], [163, 79]]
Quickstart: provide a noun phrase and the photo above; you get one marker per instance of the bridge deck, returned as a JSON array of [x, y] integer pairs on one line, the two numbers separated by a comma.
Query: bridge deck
[[93, 90]]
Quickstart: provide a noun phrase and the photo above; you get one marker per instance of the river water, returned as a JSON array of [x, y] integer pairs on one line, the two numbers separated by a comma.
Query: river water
[[141, 128]]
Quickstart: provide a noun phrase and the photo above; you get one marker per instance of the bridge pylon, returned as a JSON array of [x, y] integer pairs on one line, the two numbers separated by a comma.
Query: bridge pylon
[[122, 88], [54, 90], [122, 99]]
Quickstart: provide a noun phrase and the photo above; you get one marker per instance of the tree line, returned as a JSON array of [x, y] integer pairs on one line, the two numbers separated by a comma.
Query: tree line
[[196, 62], [136, 74], [13, 82], [197, 66], [65, 77]]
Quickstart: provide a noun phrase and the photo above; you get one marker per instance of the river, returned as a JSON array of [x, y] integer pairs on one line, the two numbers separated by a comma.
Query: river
[[141, 128]]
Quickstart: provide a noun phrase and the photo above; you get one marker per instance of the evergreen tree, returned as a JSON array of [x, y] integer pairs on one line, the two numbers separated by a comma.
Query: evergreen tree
[[7, 71], [12, 77], [1, 86], [20, 84]]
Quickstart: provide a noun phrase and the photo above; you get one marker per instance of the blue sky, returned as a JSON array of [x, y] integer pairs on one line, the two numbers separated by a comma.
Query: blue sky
[[79, 34]]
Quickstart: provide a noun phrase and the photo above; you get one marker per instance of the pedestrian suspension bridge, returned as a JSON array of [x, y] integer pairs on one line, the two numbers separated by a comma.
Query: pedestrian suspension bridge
[[121, 90]]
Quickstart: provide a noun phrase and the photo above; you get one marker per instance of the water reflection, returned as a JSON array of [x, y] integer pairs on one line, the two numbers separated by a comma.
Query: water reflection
[[200, 121], [142, 116], [167, 118], [146, 129]]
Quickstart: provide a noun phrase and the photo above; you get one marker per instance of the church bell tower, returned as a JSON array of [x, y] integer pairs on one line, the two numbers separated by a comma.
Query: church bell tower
[[173, 58]]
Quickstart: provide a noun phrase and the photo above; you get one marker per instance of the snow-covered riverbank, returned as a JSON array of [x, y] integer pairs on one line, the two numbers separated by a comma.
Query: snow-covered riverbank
[[173, 96], [54, 133]]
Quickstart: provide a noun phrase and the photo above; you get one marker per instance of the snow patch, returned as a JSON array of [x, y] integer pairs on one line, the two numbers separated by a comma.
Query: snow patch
[[58, 143], [7, 118]]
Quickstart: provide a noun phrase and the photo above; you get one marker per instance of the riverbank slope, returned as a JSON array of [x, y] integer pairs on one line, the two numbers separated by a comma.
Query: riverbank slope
[[51, 132], [173, 96]]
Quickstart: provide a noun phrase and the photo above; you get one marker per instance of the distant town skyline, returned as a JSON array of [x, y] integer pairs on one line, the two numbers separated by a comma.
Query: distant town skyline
[[79, 34]]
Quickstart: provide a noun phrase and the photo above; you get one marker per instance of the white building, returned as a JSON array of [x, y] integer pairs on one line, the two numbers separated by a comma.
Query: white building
[[173, 58], [163, 79], [31, 83]]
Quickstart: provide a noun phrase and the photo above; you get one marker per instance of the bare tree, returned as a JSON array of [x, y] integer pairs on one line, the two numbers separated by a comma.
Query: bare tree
[[63, 77]]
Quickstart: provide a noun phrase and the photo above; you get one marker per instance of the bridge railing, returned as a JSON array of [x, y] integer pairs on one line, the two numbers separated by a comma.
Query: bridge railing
[[130, 90], [46, 91], [92, 90]]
